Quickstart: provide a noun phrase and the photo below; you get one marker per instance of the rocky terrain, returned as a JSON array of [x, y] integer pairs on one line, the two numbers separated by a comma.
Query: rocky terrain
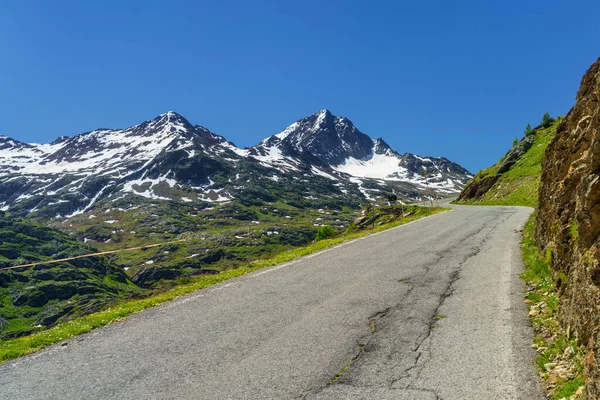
[[568, 220], [32, 298]]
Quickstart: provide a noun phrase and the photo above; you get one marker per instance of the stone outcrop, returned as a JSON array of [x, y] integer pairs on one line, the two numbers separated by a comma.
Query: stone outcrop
[[514, 154], [568, 220], [478, 187]]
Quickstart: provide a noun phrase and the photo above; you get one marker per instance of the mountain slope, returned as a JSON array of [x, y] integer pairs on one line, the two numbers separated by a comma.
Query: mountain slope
[[71, 176], [321, 160], [34, 297], [514, 180]]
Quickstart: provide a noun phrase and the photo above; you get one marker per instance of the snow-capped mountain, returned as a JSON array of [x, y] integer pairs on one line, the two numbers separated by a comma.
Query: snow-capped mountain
[[336, 142], [106, 150], [320, 159], [330, 139]]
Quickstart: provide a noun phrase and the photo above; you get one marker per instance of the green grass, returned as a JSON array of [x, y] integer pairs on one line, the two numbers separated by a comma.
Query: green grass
[[13, 348], [520, 184], [550, 337], [224, 228]]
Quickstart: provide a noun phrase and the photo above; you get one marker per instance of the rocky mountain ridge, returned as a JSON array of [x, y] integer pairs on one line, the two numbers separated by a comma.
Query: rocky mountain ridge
[[168, 158]]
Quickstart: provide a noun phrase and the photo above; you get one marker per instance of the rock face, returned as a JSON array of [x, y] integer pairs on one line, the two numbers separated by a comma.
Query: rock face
[[329, 138], [568, 219], [477, 188]]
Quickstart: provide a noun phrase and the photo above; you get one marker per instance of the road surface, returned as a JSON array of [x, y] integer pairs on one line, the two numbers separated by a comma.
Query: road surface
[[430, 310]]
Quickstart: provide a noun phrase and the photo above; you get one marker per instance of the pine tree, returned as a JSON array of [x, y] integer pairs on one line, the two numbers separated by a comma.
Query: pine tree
[[547, 120], [529, 130]]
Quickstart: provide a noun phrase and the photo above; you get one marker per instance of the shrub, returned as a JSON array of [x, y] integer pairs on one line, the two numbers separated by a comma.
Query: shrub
[[325, 232], [351, 229]]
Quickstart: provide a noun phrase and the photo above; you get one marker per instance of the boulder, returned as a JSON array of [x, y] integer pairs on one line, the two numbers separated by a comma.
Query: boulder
[[359, 220], [515, 154]]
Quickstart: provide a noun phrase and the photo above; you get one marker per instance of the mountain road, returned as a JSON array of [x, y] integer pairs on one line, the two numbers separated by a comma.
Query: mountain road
[[429, 310]]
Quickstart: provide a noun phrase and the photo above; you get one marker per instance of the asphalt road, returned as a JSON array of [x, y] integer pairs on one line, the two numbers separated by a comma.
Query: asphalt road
[[429, 310]]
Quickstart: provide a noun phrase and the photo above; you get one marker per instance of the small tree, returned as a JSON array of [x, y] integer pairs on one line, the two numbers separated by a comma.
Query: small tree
[[515, 142], [529, 130], [547, 120]]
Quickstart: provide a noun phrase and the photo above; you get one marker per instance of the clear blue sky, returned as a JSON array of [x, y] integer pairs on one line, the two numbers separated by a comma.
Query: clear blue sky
[[454, 78]]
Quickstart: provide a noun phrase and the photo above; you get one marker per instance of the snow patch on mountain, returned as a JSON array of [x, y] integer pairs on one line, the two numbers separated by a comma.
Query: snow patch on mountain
[[324, 174], [74, 174], [377, 166]]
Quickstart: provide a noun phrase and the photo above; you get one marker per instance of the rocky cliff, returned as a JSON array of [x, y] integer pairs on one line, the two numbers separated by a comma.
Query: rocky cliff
[[568, 220]]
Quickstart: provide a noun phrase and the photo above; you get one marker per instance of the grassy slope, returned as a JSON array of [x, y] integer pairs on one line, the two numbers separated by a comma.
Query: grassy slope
[[220, 237], [14, 348], [519, 185], [560, 360]]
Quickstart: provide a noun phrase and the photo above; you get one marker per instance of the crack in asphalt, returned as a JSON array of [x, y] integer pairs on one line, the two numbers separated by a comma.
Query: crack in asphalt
[[454, 276], [362, 344], [407, 374]]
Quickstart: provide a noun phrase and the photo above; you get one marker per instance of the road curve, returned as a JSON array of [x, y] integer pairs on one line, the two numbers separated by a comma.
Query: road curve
[[429, 310]]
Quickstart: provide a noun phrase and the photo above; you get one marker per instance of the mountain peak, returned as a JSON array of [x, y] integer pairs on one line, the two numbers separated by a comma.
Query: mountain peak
[[169, 121], [381, 147], [173, 117], [329, 138], [60, 139], [171, 114], [324, 117], [10, 143]]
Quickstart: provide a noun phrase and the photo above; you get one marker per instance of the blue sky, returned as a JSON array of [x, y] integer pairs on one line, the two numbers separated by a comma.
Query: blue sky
[[458, 79]]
